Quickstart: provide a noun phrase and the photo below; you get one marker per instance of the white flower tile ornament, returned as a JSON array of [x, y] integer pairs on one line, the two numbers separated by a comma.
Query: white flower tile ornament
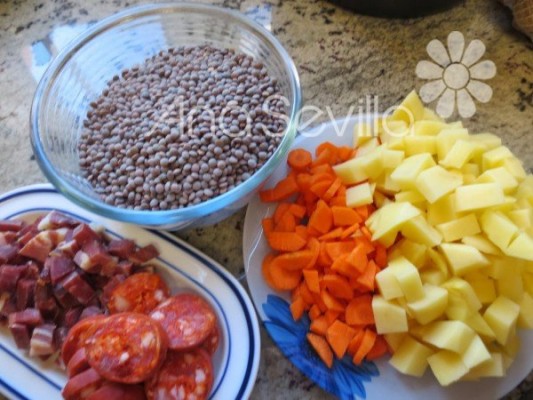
[[455, 75]]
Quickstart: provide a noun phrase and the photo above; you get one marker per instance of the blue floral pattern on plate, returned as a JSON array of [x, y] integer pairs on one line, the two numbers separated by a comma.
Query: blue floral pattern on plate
[[344, 380]]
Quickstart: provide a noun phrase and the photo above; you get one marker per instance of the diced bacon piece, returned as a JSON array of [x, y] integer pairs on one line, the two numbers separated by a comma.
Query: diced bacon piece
[[21, 335], [92, 257], [33, 271], [60, 335], [38, 247], [55, 219], [42, 340], [90, 312], [7, 253], [29, 317], [78, 287], [7, 237], [148, 268], [59, 267], [78, 363], [64, 298], [44, 300], [11, 225], [124, 268], [72, 316], [25, 293], [58, 235], [110, 286], [7, 305], [81, 386], [83, 234], [122, 248], [68, 247], [9, 277], [144, 254]]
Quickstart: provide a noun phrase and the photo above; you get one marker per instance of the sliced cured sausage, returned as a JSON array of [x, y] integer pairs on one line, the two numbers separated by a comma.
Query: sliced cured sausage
[[184, 376], [211, 343], [78, 335], [187, 318], [118, 391], [81, 386], [127, 348], [77, 363], [140, 293]]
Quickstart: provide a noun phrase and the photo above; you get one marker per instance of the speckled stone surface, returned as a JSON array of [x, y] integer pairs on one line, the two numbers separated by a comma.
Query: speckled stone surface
[[341, 58]]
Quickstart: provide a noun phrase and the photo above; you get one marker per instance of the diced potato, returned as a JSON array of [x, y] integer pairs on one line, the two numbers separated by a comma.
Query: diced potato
[[408, 278], [476, 354], [407, 172], [411, 196], [391, 158], [427, 127], [525, 316], [488, 140], [410, 110], [523, 218], [515, 167], [512, 346], [495, 157], [418, 230], [500, 176], [511, 286], [447, 366], [478, 324], [437, 182], [368, 147], [389, 317], [431, 306], [410, 357], [394, 340], [502, 316], [430, 115], [388, 239], [491, 368], [465, 290], [498, 228], [380, 199], [392, 217], [460, 153], [385, 184], [392, 133], [455, 336], [471, 169], [442, 210], [439, 262], [481, 243], [359, 195], [458, 309], [388, 285], [420, 144], [484, 288], [416, 253], [447, 138], [462, 258], [433, 276], [478, 196], [521, 247], [351, 171], [459, 228], [364, 132]]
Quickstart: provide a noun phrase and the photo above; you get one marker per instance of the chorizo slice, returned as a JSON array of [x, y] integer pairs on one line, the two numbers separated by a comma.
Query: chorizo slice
[[184, 375], [81, 386], [127, 348], [77, 363], [140, 293], [118, 391], [211, 343], [78, 335], [187, 319]]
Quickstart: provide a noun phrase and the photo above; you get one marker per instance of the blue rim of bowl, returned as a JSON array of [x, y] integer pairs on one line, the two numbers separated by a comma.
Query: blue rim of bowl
[[175, 216]]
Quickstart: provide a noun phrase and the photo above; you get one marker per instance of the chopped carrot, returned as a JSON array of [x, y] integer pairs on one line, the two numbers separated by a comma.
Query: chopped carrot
[[379, 349], [349, 231], [265, 269], [324, 260], [355, 342], [344, 153], [338, 200], [305, 293], [366, 232], [363, 212], [297, 308], [294, 260], [368, 277], [319, 344], [332, 190], [332, 316], [343, 267], [367, 342], [268, 225], [303, 181], [301, 230], [321, 219], [280, 211], [312, 280], [314, 246], [338, 285], [331, 302], [357, 258], [344, 216], [320, 188], [314, 312], [339, 336], [337, 249], [299, 159], [331, 235], [297, 210], [329, 149], [282, 191], [359, 311], [324, 156], [323, 169], [287, 223], [283, 279], [319, 325], [285, 241], [381, 255]]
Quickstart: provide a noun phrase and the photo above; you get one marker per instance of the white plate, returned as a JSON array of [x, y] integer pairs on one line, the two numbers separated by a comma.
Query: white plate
[[237, 358], [375, 380]]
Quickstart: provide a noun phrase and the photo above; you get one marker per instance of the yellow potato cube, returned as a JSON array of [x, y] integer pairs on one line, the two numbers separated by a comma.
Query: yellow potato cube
[[478, 196], [491, 368], [364, 132], [410, 357], [521, 247], [351, 171], [488, 140], [418, 230], [433, 276], [407, 172], [368, 147], [481, 243], [408, 278], [511, 285], [447, 138], [394, 340], [448, 367], [502, 316], [500, 176], [458, 309], [439, 262], [428, 127], [416, 253], [471, 169], [460, 153], [410, 110], [478, 324], [389, 317], [485, 289], [476, 354], [392, 133], [431, 306], [525, 316], [462, 258], [463, 288], [498, 228], [388, 285], [420, 144], [515, 167], [437, 182], [411, 196], [391, 158], [459, 228], [430, 115], [495, 157], [512, 346], [523, 219], [385, 184], [443, 210], [391, 218], [359, 195], [455, 336]]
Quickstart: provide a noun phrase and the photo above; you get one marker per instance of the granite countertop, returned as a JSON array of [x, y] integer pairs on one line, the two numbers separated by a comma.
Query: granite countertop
[[341, 58]]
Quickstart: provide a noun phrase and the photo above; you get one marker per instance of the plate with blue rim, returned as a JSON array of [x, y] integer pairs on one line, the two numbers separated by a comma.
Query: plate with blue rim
[[371, 380], [236, 360]]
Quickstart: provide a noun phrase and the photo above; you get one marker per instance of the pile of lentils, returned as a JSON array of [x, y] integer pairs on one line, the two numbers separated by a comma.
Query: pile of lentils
[[185, 126]]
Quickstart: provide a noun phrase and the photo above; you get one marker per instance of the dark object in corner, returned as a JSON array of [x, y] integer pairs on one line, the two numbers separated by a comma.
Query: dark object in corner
[[397, 8]]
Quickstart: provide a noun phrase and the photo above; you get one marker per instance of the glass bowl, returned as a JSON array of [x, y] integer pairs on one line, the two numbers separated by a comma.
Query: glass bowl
[[80, 72]]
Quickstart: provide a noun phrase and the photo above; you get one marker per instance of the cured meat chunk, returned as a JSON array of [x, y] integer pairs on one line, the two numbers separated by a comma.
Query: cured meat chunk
[[78, 336], [186, 318], [64, 298], [83, 233], [9, 277], [38, 247], [108, 288], [144, 254], [59, 267], [68, 247], [11, 225], [117, 391], [122, 248], [184, 375], [42, 340], [44, 300], [7, 253], [92, 257], [59, 336], [78, 363], [55, 219], [124, 268], [28, 317], [90, 311], [8, 237], [33, 270], [21, 335], [81, 386], [7, 305], [78, 287], [72, 316], [127, 348], [25, 293], [213, 340], [138, 293]]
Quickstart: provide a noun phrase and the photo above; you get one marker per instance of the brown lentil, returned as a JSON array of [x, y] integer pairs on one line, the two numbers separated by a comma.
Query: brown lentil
[[183, 127]]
